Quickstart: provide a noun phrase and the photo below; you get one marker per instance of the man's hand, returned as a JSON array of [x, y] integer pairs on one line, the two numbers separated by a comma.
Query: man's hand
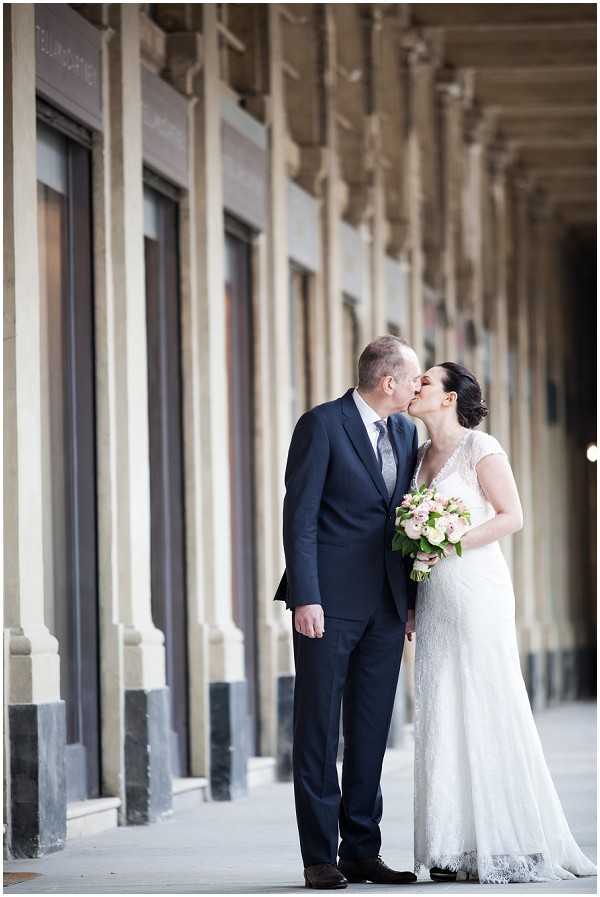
[[430, 559], [309, 620], [410, 625]]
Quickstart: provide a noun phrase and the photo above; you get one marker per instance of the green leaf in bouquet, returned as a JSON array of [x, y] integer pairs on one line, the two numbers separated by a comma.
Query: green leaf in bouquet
[[424, 545], [458, 549]]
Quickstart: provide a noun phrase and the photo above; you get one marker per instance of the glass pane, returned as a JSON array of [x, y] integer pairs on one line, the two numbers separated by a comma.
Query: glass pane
[[151, 213], [51, 158]]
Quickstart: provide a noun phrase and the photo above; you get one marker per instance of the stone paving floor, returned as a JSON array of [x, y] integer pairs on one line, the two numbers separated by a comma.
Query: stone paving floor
[[250, 846]]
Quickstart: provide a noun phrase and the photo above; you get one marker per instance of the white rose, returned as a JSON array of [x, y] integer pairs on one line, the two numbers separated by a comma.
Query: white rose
[[456, 532], [441, 524], [413, 529], [433, 535]]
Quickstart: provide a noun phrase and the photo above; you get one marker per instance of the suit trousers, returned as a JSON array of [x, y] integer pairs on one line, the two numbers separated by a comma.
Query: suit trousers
[[356, 664]]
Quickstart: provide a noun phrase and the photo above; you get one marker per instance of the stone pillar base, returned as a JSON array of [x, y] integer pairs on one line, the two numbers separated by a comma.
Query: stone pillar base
[[148, 784], [552, 676], [285, 726], [534, 680], [568, 691], [586, 672], [228, 740], [38, 792]]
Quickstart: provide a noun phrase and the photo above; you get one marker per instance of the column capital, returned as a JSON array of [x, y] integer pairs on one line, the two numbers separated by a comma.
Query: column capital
[[419, 48], [314, 165], [184, 59], [500, 156], [479, 125], [448, 86], [541, 207], [523, 182]]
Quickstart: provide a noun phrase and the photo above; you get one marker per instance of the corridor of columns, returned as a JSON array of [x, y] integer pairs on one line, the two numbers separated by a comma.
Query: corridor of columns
[[209, 210]]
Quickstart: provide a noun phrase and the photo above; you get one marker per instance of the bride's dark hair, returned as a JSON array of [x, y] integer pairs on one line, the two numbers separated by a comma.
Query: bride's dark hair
[[471, 408]]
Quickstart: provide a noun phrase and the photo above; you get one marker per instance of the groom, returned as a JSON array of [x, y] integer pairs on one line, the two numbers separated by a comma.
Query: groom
[[349, 463]]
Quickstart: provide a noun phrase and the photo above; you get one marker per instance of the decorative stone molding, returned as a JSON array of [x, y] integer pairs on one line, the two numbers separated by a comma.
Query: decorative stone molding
[[292, 158], [397, 244], [184, 59], [152, 44], [314, 165]]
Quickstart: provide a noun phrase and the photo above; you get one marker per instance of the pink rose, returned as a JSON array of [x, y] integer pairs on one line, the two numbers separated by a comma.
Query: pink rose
[[413, 529]]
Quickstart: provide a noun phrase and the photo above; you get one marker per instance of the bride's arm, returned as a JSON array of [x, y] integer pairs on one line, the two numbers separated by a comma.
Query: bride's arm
[[498, 484]]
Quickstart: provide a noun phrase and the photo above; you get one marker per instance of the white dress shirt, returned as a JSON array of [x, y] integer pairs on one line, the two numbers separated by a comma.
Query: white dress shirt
[[369, 416]]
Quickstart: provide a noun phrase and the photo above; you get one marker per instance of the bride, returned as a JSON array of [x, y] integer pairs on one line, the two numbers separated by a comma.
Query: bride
[[485, 804]]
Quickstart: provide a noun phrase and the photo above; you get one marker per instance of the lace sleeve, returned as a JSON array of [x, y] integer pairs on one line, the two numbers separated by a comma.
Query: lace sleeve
[[482, 445]]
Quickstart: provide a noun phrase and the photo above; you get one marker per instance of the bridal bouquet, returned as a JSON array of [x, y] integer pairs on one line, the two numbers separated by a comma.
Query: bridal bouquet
[[427, 521]]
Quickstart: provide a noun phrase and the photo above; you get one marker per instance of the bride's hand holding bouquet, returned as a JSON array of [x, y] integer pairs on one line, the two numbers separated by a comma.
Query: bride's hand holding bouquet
[[428, 522]]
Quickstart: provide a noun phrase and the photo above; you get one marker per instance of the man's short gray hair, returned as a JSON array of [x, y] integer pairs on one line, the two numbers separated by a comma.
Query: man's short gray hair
[[384, 357]]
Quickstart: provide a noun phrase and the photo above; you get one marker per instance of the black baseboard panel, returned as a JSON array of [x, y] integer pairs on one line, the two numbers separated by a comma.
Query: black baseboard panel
[[148, 783], [228, 740], [38, 791]]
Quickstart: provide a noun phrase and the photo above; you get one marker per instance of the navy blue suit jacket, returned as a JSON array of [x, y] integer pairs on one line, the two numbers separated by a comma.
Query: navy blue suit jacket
[[338, 520]]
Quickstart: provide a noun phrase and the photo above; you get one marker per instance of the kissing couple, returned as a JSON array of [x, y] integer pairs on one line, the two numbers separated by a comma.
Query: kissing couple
[[485, 805]]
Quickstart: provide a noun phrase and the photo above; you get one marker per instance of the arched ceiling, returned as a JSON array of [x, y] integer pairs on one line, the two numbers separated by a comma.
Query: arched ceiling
[[532, 70]]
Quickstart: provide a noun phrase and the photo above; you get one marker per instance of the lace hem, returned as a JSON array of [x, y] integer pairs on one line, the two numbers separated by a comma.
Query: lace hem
[[501, 869]]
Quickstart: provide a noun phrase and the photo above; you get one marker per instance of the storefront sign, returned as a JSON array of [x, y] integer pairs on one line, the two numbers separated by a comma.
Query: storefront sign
[[304, 228], [68, 62], [355, 272], [397, 294], [244, 152], [164, 129]]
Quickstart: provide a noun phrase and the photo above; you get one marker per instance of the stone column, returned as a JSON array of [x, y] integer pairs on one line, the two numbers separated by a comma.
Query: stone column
[[147, 761], [372, 26], [564, 514], [524, 569], [542, 485], [333, 201], [449, 99], [35, 773], [276, 655], [475, 135], [415, 200], [379, 232], [227, 692], [500, 388], [185, 59]]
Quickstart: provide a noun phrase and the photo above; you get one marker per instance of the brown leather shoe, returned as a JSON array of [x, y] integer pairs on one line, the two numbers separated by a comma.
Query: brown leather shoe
[[375, 870], [324, 875]]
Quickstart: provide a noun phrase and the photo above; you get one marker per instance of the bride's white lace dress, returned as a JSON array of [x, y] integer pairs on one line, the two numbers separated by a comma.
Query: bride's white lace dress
[[484, 799]]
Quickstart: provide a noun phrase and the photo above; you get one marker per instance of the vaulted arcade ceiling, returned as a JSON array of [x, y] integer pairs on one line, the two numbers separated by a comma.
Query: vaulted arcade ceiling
[[532, 70]]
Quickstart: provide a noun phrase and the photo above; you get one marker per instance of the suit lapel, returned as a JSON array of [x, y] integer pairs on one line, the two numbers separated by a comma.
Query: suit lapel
[[355, 428], [399, 442]]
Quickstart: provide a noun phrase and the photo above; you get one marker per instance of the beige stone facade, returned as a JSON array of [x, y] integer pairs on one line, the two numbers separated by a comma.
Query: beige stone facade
[[426, 170]]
